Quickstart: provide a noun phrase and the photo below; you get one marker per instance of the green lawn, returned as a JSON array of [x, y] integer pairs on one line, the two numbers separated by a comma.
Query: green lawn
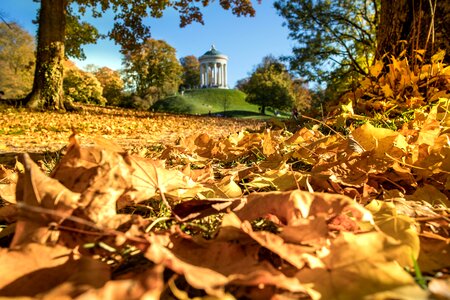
[[230, 103]]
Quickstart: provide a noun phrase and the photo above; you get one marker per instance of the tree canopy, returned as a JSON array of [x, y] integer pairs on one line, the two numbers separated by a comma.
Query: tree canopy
[[334, 38], [152, 71], [80, 86], [112, 84], [16, 60], [270, 85], [191, 71], [128, 30]]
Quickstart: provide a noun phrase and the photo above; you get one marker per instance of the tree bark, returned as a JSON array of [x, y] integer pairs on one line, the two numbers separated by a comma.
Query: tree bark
[[413, 25], [263, 109], [47, 92]]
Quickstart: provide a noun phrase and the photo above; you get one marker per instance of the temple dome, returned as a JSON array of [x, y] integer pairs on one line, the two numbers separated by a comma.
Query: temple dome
[[212, 53], [213, 69]]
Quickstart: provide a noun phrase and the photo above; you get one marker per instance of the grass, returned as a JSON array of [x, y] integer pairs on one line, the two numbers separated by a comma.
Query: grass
[[228, 103]]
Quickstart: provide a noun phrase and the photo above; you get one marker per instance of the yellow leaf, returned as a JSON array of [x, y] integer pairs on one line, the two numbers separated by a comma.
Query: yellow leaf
[[269, 144], [376, 69], [431, 195], [348, 108], [438, 57], [400, 227], [230, 188], [362, 263], [382, 141], [388, 93]]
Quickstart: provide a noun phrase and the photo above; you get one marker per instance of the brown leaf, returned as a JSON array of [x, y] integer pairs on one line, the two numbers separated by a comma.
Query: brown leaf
[[41, 200], [34, 268], [195, 209], [211, 265], [8, 181], [361, 263], [434, 253], [290, 207], [440, 288], [147, 285]]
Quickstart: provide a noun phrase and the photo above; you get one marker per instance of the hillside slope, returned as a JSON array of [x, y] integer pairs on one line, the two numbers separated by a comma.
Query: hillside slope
[[205, 101]]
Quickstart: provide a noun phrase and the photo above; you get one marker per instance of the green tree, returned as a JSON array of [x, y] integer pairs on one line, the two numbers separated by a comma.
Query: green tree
[[152, 70], [78, 33], [16, 60], [128, 31], [112, 84], [335, 39], [191, 71], [80, 86], [270, 85], [241, 83]]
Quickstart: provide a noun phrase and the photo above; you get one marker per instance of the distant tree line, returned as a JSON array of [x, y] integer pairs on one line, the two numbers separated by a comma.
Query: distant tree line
[[149, 73], [336, 43], [61, 33]]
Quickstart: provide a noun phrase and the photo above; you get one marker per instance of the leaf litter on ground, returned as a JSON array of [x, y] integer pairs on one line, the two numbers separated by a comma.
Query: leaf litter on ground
[[253, 215]]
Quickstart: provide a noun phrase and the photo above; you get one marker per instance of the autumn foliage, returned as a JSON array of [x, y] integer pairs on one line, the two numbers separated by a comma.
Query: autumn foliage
[[254, 212]]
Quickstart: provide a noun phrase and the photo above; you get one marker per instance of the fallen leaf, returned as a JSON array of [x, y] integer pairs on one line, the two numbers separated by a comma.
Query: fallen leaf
[[361, 263], [33, 269]]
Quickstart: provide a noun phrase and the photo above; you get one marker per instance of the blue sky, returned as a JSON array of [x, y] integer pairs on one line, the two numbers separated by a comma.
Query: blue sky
[[245, 40]]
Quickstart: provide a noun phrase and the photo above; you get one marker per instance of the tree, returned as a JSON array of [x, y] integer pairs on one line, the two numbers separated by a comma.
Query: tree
[[80, 86], [270, 85], [78, 33], [240, 84], [413, 25], [191, 71], [302, 96], [153, 70], [16, 60], [335, 38], [112, 84], [128, 31]]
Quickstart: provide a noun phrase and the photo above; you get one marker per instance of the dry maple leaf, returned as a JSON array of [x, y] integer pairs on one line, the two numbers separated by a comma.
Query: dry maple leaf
[[290, 207], [211, 265], [32, 269], [357, 266], [41, 200], [147, 285]]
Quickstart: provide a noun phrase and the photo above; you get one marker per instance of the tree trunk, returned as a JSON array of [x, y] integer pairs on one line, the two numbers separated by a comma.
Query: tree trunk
[[47, 92], [263, 109], [413, 25]]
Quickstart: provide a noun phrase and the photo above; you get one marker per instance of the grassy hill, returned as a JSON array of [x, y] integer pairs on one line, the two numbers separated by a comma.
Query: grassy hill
[[204, 101]]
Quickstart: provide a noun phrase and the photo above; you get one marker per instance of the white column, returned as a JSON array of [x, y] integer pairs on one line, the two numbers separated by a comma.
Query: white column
[[211, 78], [205, 74], [221, 75], [208, 74], [225, 75], [218, 74], [202, 74]]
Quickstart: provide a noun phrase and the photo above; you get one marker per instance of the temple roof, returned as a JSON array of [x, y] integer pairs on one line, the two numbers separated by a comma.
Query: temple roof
[[212, 52]]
